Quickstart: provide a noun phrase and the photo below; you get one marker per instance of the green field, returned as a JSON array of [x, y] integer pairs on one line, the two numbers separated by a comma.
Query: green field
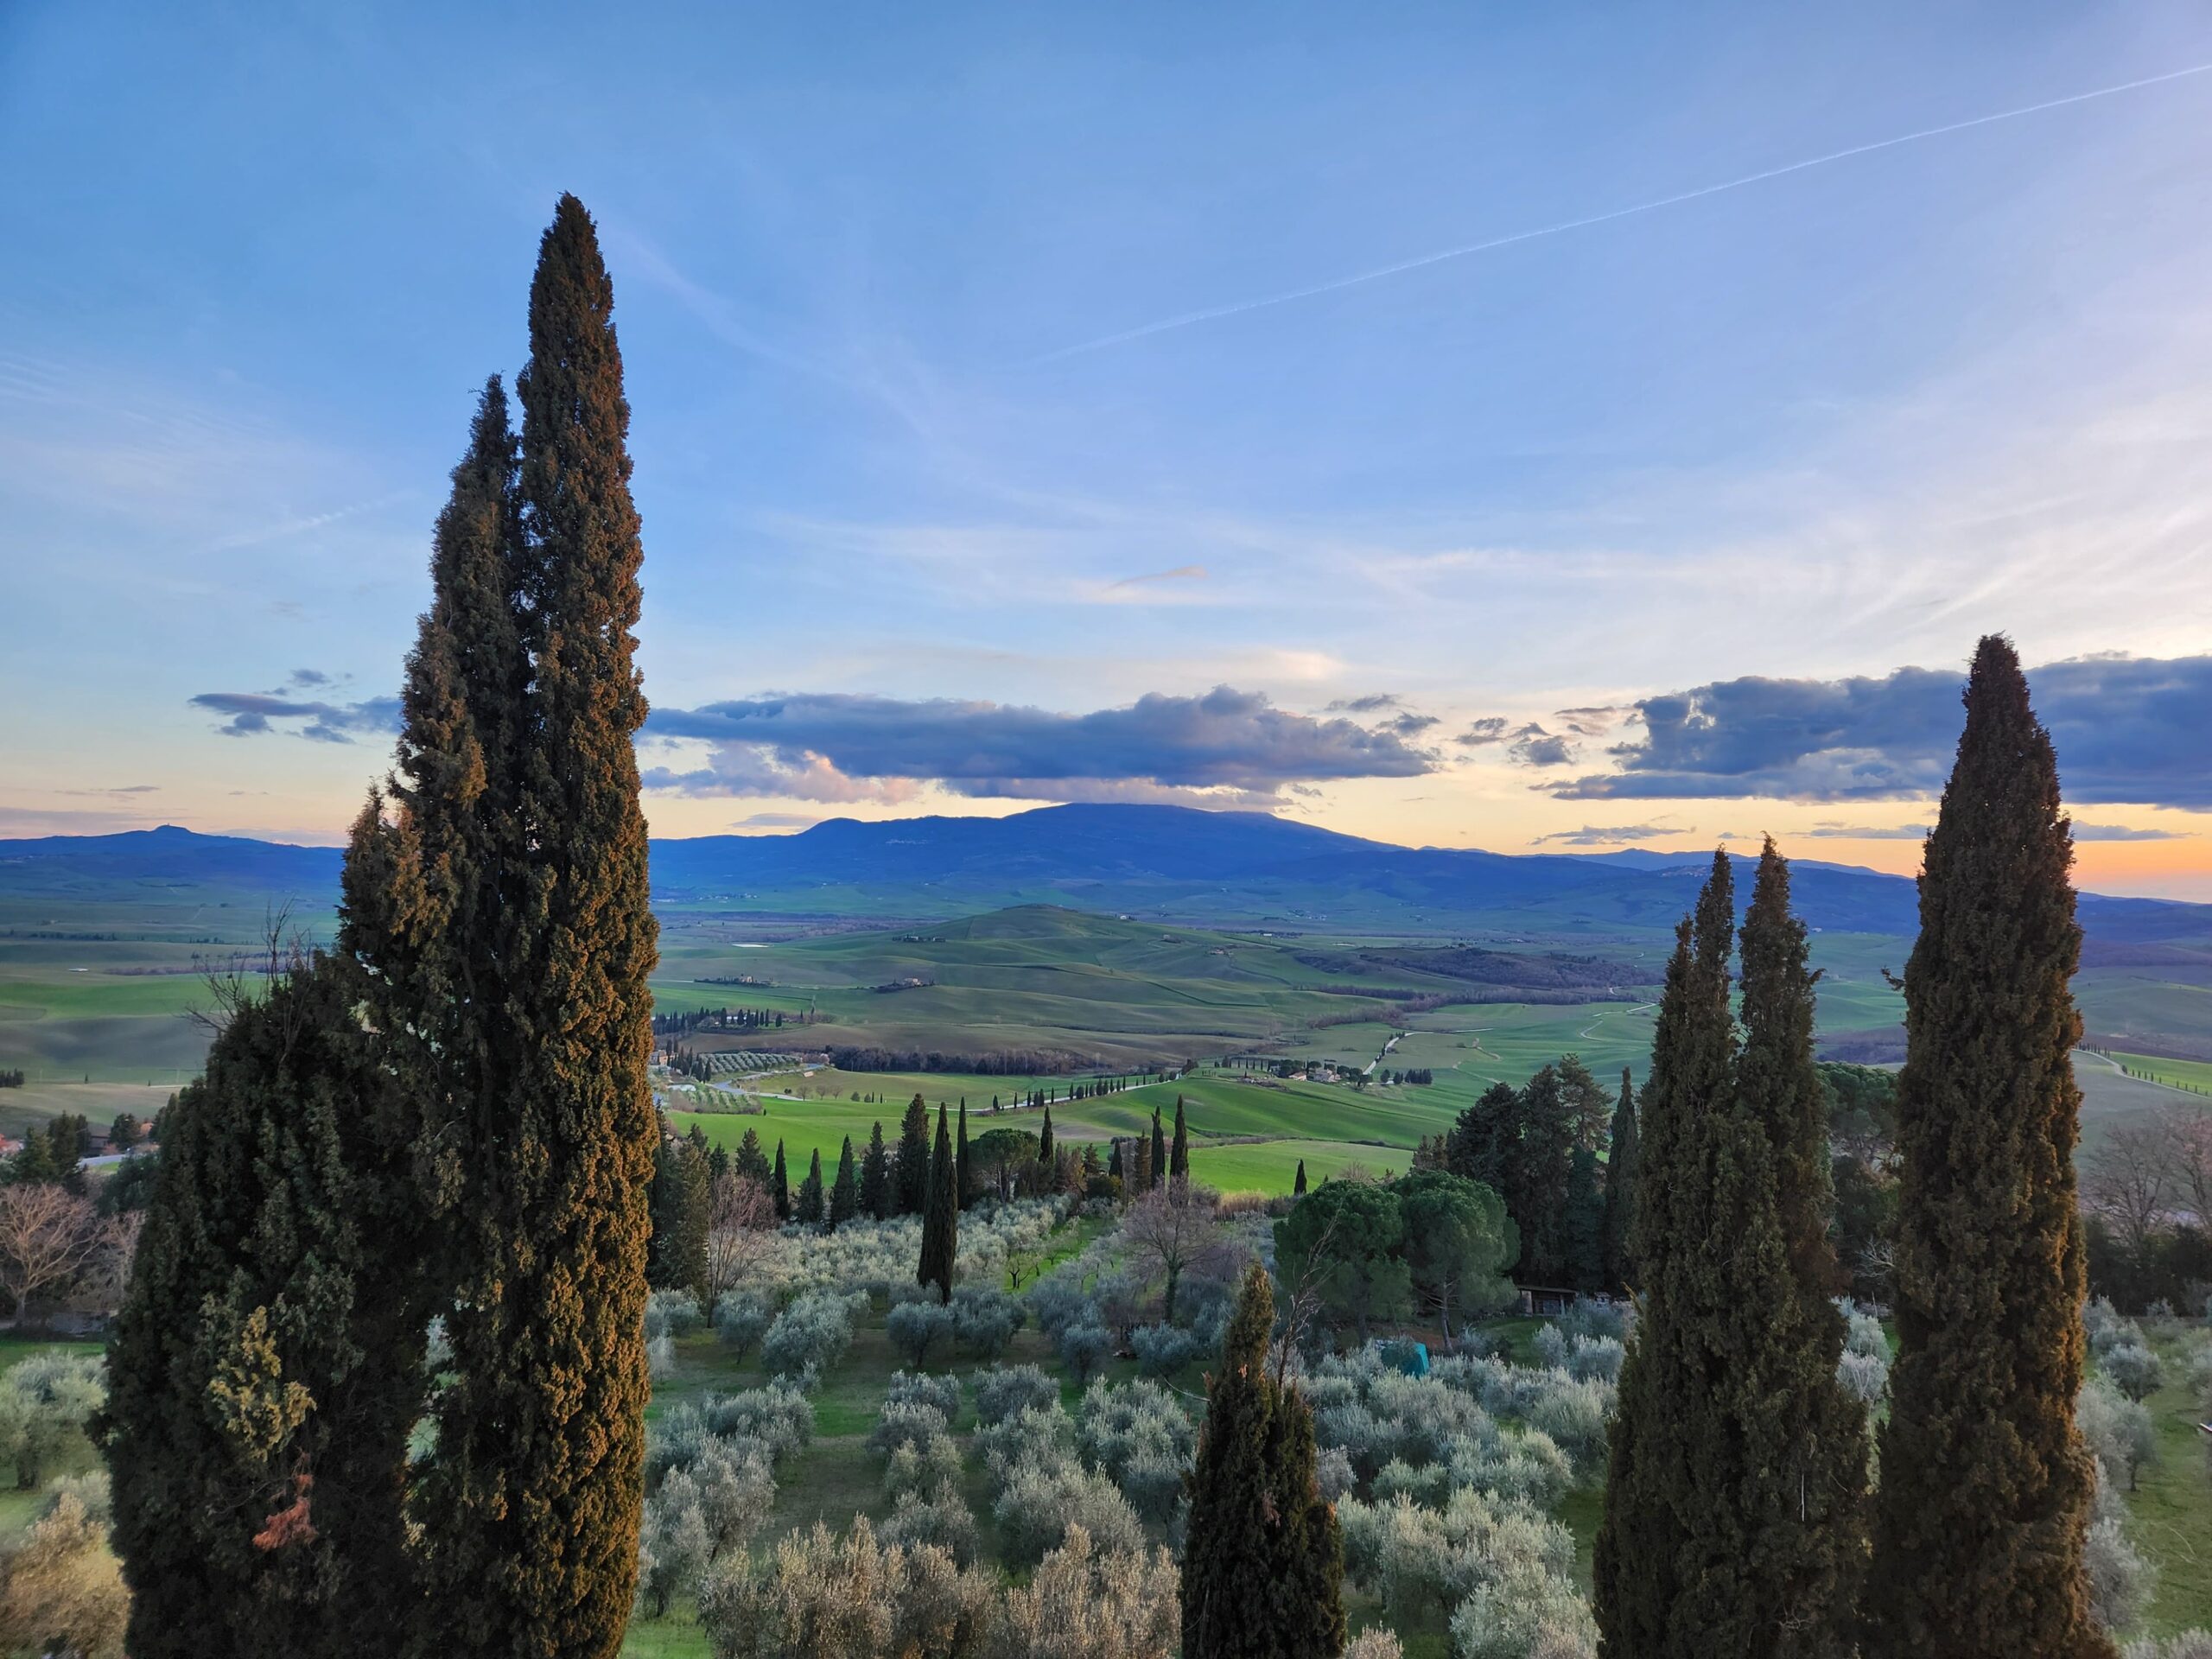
[[2193, 1075]]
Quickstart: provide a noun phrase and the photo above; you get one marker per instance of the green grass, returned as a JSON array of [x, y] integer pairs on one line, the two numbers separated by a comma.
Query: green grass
[[1271, 1167], [2169, 1513], [2196, 1076]]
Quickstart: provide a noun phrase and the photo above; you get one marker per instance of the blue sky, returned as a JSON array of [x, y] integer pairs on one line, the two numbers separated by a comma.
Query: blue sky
[[1828, 425]]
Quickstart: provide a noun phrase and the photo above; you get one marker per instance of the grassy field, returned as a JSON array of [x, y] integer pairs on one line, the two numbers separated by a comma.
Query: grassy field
[[2192, 1076], [2169, 1513]]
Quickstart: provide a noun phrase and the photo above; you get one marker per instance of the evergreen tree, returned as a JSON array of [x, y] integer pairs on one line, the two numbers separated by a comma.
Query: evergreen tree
[[911, 1174], [963, 1177], [1045, 1141], [679, 1206], [1263, 1567], [1986, 1486], [1141, 1181], [267, 1362], [1620, 1188], [1538, 1170], [1297, 1188], [34, 1163], [751, 1160], [1658, 1533], [940, 1217], [845, 1193], [1178, 1159], [809, 1208], [779, 1186], [1585, 1227], [1114, 1166], [875, 1175], [1486, 1138], [1156, 1166]]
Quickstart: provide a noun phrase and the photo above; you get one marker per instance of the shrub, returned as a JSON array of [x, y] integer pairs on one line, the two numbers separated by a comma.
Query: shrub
[[1550, 1345], [673, 1313], [2120, 1580], [1084, 1350], [61, 1590], [904, 1424], [1037, 1434], [915, 1328], [739, 1322], [1524, 1612], [1005, 1390], [1090, 1602], [1595, 1358], [1374, 1644], [942, 1520], [2118, 1431], [1058, 1300], [2133, 1369], [1863, 1334], [46, 1404], [1162, 1350], [1589, 1318], [1042, 1501], [779, 1419], [820, 1594], [1332, 1470], [2189, 1644], [1139, 1438], [920, 1387], [984, 1320], [1574, 1414], [1865, 1377], [810, 1335], [927, 1468]]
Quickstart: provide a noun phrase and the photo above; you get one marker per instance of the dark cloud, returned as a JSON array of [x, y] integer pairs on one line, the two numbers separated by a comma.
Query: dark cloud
[[1409, 725], [1490, 728], [1532, 746], [1590, 835], [304, 678], [2127, 729], [1374, 703], [1227, 747], [248, 713]]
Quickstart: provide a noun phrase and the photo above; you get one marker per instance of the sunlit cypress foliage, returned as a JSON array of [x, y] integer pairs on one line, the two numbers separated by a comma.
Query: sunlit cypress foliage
[[1985, 1487], [1263, 1567], [267, 1364], [1620, 1188], [532, 1522], [1657, 1534], [940, 1216]]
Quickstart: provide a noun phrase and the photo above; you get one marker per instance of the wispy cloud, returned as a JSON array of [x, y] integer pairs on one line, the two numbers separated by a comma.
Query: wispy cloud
[[251, 714], [1611, 835]]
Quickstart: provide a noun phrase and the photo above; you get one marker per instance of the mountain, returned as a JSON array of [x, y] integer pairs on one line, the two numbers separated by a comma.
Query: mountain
[[1171, 862]]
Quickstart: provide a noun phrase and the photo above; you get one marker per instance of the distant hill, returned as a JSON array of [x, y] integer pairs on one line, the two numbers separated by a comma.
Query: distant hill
[[1222, 867]]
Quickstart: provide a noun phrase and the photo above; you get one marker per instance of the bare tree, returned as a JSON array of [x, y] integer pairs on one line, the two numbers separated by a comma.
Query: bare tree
[[1172, 1230], [2188, 1130], [47, 1236], [1301, 1302], [740, 1235], [2129, 1180]]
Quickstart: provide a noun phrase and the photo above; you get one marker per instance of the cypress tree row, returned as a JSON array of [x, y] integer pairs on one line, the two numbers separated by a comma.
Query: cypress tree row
[[1263, 1567], [940, 1217], [1656, 1537], [1986, 1486], [546, 1148], [1620, 1188], [267, 1363]]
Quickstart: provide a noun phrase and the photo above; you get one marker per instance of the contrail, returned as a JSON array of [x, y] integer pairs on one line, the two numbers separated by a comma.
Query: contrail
[[1188, 318]]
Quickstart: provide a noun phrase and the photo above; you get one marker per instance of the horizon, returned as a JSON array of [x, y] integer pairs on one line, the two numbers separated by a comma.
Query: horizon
[[1216, 413]]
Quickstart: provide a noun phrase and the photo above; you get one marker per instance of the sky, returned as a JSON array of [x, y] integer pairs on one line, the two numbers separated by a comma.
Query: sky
[[1529, 428]]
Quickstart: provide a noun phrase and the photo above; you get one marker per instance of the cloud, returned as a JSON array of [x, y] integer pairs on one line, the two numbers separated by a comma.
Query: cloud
[[776, 821], [1532, 745], [1225, 747], [249, 713], [115, 789], [305, 678], [1180, 573], [2125, 832], [1597, 835], [1490, 728], [1373, 703], [1868, 831], [2127, 729]]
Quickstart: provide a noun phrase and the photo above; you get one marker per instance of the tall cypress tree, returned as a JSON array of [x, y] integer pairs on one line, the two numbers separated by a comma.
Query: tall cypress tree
[[1045, 1141], [1298, 1188], [1157, 1166], [1263, 1569], [1178, 1157], [1986, 1486], [808, 1208], [963, 1177], [911, 1173], [1620, 1188], [267, 1363], [875, 1175], [533, 1532], [845, 1193], [940, 1216], [1658, 1533], [779, 1186]]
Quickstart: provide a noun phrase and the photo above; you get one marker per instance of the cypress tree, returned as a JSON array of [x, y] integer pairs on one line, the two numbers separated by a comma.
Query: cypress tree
[[679, 1210], [1045, 1141], [1620, 1186], [1986, 1486], [1141, 1181], [1178, 1159], [1297, 1188], [751, 1160], [940, 1217], [267, 1363], [779, 1186], [1114, 1166], [963, 1181], [1263, 1567], [911, 1172], [1656, 1537], [1585, 1229], [875, 1175], [1156, 1166], [809, 1209], [845, 1195]]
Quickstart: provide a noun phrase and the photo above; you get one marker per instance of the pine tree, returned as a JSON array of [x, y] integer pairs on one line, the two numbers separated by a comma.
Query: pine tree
[[1620, 1188], [809, 1208], [875, 1175], [779, 1186], [911, 1174], [845, 1194], [679, 1208], [963, 1178], [1178, 1157], [1986, 1486], [751, 1160], [1297, 1188], [1156, 1166], [1263, 1567], [940, 1217], [1486, 1138], [267, 1362], [1656, 1537]]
